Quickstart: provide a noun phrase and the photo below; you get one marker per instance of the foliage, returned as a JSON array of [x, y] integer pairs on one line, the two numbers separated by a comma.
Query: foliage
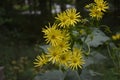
[[17, 61]]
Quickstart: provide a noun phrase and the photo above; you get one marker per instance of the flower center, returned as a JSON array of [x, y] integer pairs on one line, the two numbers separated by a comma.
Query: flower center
[[54, 54], [53, 37], [71, 17], [74, 61], [63, 58]]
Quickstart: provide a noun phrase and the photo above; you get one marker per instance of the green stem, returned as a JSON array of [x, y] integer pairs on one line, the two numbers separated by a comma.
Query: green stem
[[111, 56], [60, 67], [88, 50], [118, 58]]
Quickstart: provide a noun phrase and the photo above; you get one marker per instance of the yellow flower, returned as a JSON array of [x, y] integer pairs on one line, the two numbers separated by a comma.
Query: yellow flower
[[63, 45], [66, 35], [97, 8], [76, 59], [68, 18], [40, 60], [62, 17], [101, 5], [73, 16], [95, 13], [89, 6], [116, 37], [64, 59], [53, 54], [53, 35]]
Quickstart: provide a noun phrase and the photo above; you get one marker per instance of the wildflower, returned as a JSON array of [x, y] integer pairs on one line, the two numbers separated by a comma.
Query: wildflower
[[73, 16], [63, 45], [64, 59], [53, 54], [101, 5], [62, 17], [116, 37], [66, 35], [76, 59], [68, 18], [89, 6], [95, 13], [52, 35], [40, 60], [97, 8]]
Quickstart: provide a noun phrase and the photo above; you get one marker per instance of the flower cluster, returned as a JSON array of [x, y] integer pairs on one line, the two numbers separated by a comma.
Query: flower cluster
[[68, 18], [58, 37], [97, 8]]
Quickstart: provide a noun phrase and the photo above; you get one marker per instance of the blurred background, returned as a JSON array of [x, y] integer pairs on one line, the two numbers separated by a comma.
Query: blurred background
[[21, 22]]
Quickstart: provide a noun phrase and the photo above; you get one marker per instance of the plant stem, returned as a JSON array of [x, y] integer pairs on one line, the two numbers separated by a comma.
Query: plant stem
[[111, 56]]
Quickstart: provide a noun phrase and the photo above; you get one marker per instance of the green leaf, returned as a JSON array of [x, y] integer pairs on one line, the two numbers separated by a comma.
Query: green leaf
[[51, 75], [96, 38], [94, 58], [44, 48], [72, 75], [90, 75]]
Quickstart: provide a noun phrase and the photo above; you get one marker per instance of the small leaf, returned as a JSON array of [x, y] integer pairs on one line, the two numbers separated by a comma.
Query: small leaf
[[93, 73], [44, 47]]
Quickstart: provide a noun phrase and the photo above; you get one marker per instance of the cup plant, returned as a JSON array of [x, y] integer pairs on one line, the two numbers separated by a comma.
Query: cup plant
[[71, 40]]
